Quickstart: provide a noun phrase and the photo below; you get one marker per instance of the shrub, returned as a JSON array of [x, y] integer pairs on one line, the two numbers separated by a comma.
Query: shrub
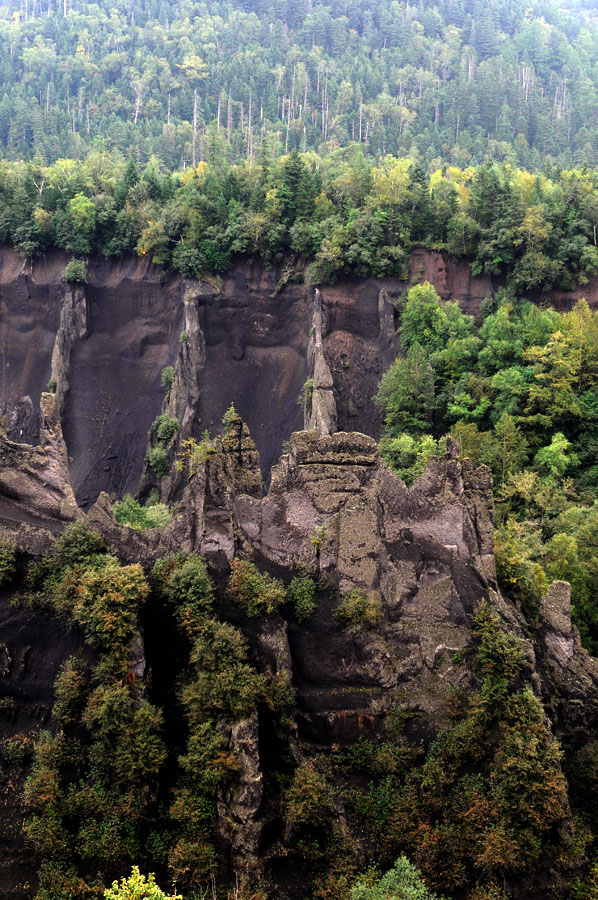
[[52, 386], [164, 429], [189, 587], [129, 512], [302, 594], [403, 882], [230, 416], [167, 376], [8, 561], [193, 863], [309, 800], [258, 594], [103, 599], [70, 691], [306, 394], [157, 460], [75, 272], [136, 887], [225, 685], [357, 610]]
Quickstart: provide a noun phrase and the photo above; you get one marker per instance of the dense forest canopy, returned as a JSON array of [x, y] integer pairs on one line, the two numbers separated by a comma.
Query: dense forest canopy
[[457, 81], [346, 214]]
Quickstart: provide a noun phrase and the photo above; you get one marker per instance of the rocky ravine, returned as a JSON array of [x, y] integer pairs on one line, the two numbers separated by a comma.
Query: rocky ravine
[[427, 553]]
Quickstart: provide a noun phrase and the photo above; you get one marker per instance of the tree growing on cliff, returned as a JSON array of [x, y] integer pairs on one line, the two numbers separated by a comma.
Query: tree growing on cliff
[[406, 394]]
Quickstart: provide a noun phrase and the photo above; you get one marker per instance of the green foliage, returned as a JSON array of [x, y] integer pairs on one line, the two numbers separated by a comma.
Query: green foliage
[[184, 581], [158, 462], [423, 319], [408, 456], [226, 686], [301, 593], [75, 272], [358, 609], [230, 416], [92, 783], [167, 377], [70, 692], [221, 688], [309, 801], [402, 882], [137, 887], [406, 394], [517, 549], [164, 427], [129, 511], [518, 394], [52, 385], [490, 791], [306, 394], [8, 561], [257, 593]]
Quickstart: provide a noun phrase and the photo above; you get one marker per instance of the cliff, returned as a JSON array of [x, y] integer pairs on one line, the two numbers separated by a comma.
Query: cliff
[[417, 563], [423, 556], [106, 343]]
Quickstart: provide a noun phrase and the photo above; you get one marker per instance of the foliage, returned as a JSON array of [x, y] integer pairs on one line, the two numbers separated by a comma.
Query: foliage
[[75, 272], [8, 560], [170, 89], [309, 800], [301, 593], [230, 416], [158, 462], [402, 882], [358, 609], [518, 393], [490, 781], [130, 512], [257, 593], [306, 395], [137, 887], [167, 376], [340, 212], [164, 427], [409, 456], [221, 688], [91, 787]]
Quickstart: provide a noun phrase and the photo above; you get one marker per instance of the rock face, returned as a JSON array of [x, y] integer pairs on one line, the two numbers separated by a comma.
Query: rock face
[[424, 557], [239, 341], [36, 497]]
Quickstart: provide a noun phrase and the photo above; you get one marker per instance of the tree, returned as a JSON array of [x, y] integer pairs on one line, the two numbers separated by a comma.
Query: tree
[[137, 887], [423, 319], [402, 882], [406, 394]]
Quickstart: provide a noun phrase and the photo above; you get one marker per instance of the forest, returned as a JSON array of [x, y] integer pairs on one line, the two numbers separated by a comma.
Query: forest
[[454, 81], [317, 218]]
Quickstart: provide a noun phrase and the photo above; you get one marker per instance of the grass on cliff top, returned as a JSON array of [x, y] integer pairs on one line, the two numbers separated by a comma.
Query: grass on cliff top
[[129, 511]]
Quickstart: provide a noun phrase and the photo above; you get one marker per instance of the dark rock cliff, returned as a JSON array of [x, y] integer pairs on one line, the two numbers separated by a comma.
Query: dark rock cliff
[[328, 505], [238, 340], [333, 508]]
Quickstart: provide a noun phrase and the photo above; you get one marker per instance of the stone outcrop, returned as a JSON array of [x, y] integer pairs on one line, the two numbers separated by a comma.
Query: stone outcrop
[[320, 405], [73, 327], [36, 498]]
